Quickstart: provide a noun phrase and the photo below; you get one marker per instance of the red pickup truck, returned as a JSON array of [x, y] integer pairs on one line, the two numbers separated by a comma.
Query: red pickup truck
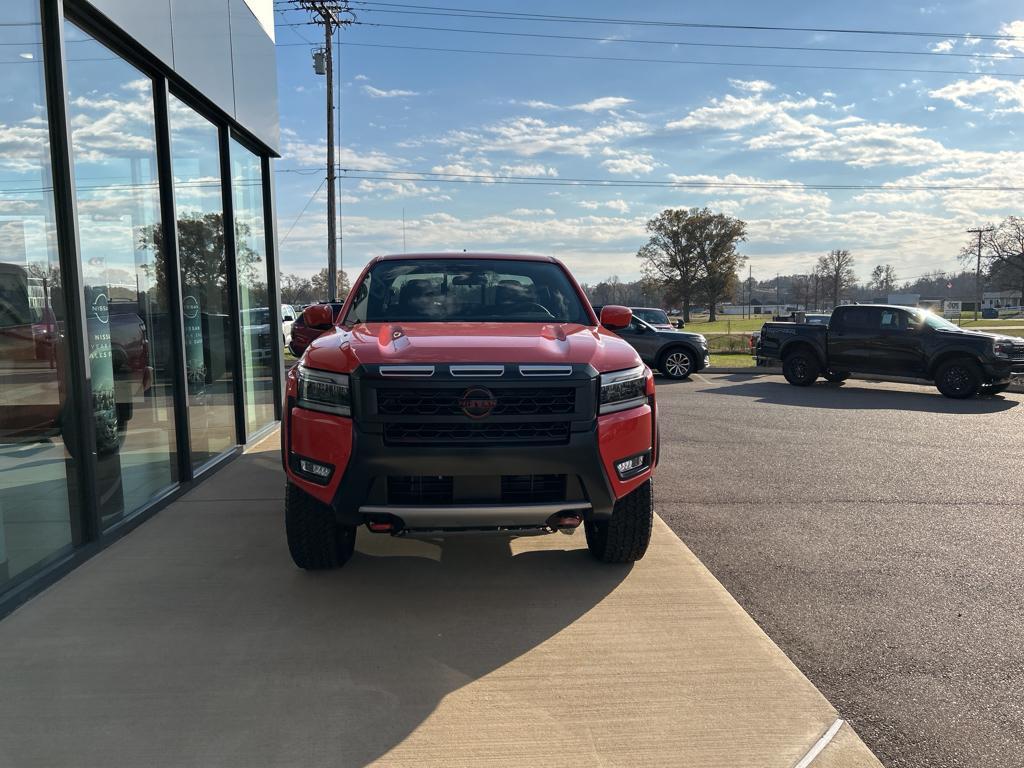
[[465, 392]]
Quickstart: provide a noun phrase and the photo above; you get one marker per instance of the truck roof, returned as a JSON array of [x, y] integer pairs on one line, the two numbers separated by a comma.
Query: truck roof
[[466, 255]]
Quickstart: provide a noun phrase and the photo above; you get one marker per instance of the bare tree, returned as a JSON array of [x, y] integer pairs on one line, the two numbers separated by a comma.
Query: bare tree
[[883, 279], [837, 275], [1002, 252]]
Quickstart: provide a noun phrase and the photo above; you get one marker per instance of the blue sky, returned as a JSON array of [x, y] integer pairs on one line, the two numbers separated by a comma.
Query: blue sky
[[406, 111]]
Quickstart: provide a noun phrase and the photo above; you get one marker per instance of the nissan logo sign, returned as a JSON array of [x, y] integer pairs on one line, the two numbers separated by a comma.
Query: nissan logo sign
[[477, 402]]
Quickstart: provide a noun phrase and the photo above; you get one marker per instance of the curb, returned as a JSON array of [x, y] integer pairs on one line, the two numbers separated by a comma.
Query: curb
[[766, 371]]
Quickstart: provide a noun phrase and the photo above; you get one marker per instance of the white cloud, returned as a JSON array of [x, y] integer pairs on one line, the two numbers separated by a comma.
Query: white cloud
[[617, 204], [944, 46], [529, 169], [360, 77], [752, 86], [395, 93], [532, 212], [602, 104], [305, 154], [1012, 29], [530, 136], [628, 163], [1009, 95]]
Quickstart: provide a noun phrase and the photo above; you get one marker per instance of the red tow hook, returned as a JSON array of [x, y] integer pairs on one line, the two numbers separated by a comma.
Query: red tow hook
[[566, 522], [384, 527]]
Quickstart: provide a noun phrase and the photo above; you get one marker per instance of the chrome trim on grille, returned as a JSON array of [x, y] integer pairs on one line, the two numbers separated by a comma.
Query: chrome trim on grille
[[421, 371], [477, 370], [545, 370]]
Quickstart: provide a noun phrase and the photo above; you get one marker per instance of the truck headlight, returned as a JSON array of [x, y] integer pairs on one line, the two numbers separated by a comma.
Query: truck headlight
[[324, 391], [623, 389], [1002, 348]]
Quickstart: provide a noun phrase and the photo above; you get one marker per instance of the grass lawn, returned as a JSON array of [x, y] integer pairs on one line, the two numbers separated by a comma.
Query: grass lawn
[[732, 361], [1016, 322], [726, 324]]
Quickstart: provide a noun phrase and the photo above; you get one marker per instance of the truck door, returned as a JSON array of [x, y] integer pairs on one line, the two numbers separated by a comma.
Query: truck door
[[852, 339], [899, 348]]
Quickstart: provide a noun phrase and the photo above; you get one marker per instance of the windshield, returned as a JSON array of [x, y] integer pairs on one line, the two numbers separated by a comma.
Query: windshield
[[652, 316], [467, 290], [936, 322]]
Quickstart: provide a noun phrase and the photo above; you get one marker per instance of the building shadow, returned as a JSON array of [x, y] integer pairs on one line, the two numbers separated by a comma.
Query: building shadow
[[852, 395]]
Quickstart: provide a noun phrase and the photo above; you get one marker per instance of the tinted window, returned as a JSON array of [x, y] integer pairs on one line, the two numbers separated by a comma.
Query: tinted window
[[473, 290], [861, 319], [652, 316], [893, 320]]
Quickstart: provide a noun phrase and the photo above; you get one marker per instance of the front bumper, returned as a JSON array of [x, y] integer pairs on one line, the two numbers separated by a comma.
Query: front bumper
[[366, 466], [1002, 371]]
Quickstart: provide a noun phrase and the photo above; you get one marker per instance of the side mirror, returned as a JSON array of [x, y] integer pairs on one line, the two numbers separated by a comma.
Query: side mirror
[[615, 318], [318, 316]]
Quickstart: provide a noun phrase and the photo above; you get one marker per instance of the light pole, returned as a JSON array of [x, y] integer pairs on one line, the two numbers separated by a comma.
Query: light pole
[[977, 274]]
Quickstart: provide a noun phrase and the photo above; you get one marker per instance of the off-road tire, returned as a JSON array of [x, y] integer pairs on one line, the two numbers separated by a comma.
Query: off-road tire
[[994, 389], [623, 538], [678, 363], [315, 540], [801, 368], [836, 377], [958, 379]]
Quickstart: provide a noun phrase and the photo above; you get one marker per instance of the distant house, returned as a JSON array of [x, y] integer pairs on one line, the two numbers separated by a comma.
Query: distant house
[[1000, 299]]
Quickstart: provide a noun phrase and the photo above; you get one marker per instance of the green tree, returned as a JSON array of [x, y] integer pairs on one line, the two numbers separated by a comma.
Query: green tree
[[670, 257], [319, 282], [1002, 253]]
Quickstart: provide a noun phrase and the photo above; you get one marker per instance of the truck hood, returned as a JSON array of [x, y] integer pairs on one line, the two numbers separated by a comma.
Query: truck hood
[[982, 335], [418, 343]]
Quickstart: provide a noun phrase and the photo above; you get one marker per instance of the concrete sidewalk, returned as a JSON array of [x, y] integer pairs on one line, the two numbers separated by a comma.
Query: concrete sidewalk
[[194, 641]]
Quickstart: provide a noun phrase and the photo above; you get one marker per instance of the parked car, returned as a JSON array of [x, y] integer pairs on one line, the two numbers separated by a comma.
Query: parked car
[[288, 315], [303, 333], [464, 392], [895, 341], [676, 354]]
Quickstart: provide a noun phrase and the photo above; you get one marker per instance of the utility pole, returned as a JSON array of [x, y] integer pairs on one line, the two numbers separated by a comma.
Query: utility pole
[[977, 274], [328, 13], [778, 294]]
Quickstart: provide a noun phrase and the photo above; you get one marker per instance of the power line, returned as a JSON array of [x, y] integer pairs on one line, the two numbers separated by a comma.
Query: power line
[[303, 211], [688, 62], [475, 178], [745, 46], [380, 6]]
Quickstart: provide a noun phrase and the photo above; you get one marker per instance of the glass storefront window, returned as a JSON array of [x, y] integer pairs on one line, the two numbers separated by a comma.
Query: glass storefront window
[[35, 519], [195, 158], [251, 261], [125, 290]]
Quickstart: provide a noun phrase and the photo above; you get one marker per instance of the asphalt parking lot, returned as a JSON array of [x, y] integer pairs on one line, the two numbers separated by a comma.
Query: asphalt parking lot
[[875, 531]]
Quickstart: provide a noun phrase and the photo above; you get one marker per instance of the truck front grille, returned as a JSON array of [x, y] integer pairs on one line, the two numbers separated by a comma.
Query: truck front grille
[[425, 490], [449, 401], [532, 489], [521, 433]]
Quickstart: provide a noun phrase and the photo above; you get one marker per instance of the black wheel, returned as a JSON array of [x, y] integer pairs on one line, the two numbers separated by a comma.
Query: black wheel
[[836, 376], [315, 540], [958, 379], [623, 538], [801, 368], [994, 389], [678, 363]]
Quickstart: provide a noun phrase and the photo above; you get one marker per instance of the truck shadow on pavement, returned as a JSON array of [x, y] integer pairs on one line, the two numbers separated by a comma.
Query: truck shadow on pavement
[[394, 634], [862, 396]]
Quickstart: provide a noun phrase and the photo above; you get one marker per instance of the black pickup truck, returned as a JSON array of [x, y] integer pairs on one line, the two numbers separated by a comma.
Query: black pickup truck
[[893, 341]]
